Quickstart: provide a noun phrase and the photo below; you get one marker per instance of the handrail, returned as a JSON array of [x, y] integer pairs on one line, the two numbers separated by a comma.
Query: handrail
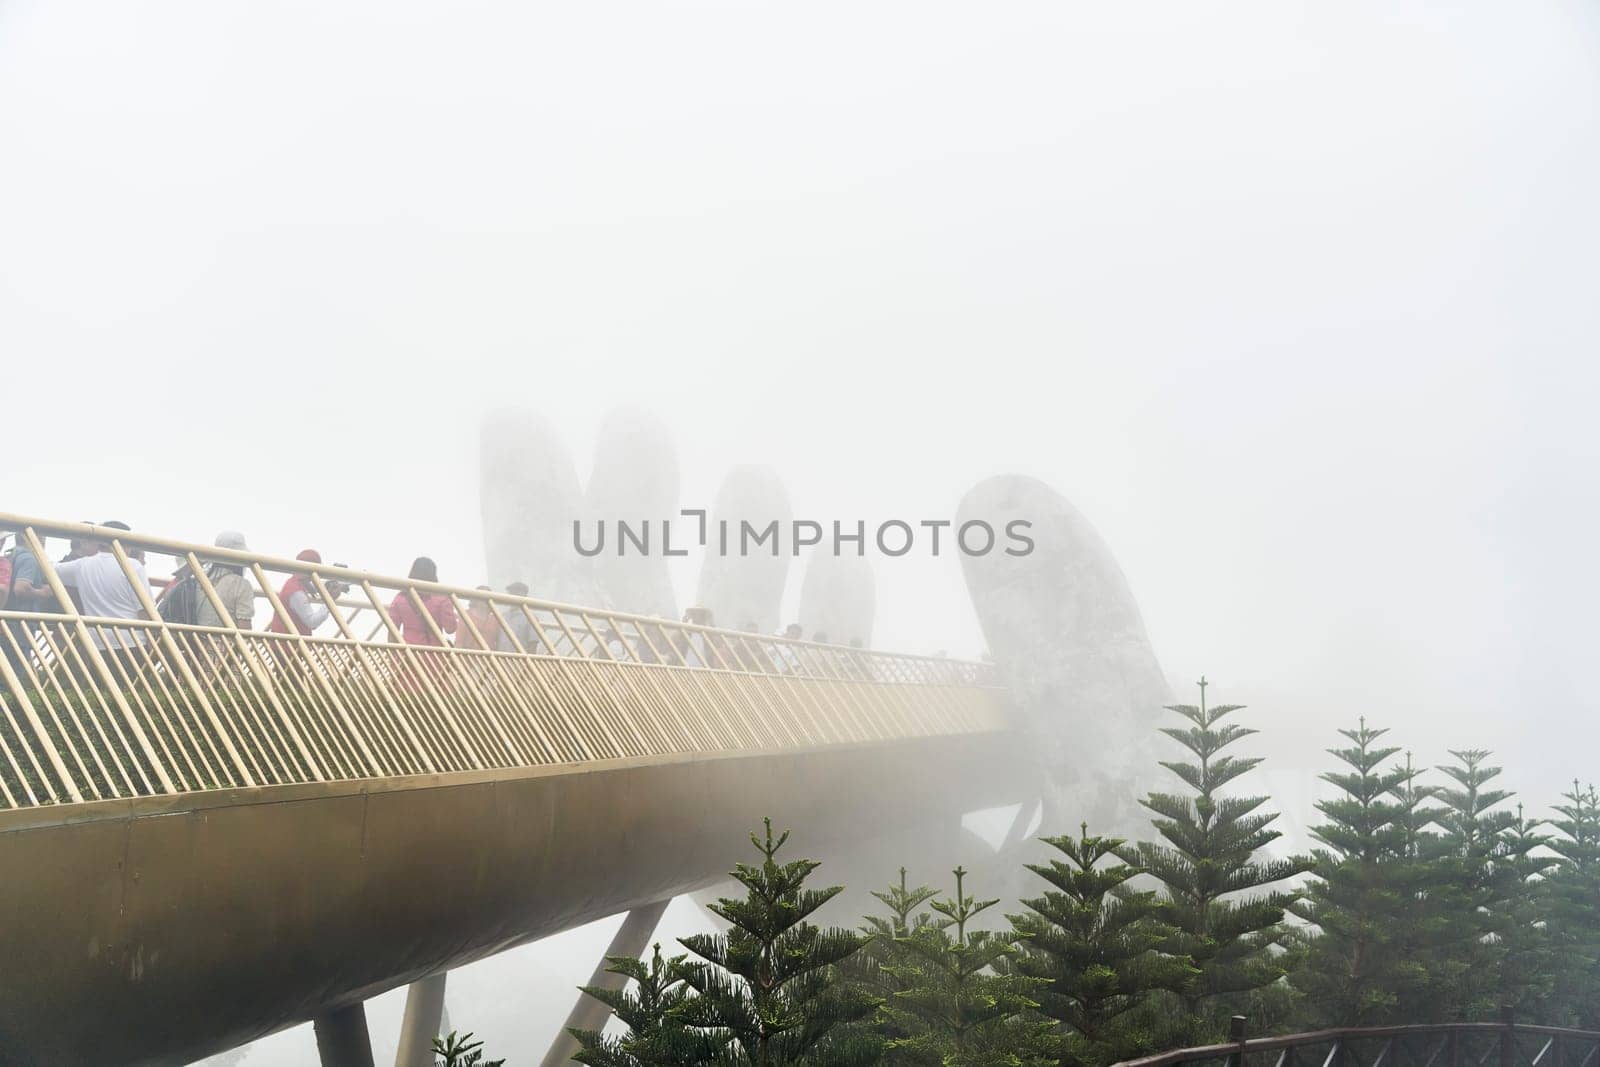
[[1436, 1045], [97, 708], [330, 572]]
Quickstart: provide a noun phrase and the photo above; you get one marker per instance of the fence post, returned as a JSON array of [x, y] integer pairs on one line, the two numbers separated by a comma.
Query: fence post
[[1236, 1033], [1508, 1039], [1452, 1049]]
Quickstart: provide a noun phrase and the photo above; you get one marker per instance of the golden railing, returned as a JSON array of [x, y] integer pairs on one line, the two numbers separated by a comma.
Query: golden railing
[[97, 708], [1506, 1043]]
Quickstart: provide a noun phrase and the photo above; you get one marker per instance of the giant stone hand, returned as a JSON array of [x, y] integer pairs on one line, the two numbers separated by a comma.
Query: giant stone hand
[[1061, 622]]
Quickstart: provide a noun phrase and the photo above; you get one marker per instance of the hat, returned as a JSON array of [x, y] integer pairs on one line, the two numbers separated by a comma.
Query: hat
[[230, 539], [309, 555]]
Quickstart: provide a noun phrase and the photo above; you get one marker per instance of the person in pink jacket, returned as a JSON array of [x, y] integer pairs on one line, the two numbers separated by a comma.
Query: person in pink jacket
[[413, 627]]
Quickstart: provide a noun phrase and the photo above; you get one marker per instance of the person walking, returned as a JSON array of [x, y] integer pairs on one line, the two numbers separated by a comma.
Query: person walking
[[486, 621], [414, 629], [238, 596], [104, 591]]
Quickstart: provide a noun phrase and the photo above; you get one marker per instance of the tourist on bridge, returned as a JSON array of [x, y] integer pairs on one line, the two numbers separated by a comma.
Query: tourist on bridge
[[104, 591], [784, 658], [238, 596], [26, 591], [302, 600], [29, 590], [413, 627], [487, 623], [518, 624]]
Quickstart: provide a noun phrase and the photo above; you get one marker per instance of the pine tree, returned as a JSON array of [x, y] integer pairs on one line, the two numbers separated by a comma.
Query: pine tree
[[1354, 969], [1470, 825], [650, 1008], [962, 1007], [1526, 946], [1095, 942], [1209, 861], [1471, 889], [770, 987], [1421, 879], [1574, 910], [459, 1050], [886, 966]]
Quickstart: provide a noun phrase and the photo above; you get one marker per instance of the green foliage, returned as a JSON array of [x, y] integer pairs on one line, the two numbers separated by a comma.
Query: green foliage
[[771, 990], [885, 964], [1572, 907], [1468, 893], [960, 1005], [1095, 944], [650, 1007], [1357, 967], [459, 1050], [1526, 947], [1426, 904], [1210, 872]]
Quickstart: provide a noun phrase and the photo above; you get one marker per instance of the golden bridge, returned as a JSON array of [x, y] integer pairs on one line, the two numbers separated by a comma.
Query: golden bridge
[[209, 833]]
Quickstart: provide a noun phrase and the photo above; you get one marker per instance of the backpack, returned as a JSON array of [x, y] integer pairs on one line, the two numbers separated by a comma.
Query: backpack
[[181, 605]]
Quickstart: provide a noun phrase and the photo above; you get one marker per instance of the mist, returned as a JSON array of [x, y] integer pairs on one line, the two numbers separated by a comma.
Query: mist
[[1294, 303]]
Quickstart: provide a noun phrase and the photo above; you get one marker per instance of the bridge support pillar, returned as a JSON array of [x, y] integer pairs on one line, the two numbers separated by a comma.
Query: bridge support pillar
[[342, 1037], [631, 939], [420, 1024]]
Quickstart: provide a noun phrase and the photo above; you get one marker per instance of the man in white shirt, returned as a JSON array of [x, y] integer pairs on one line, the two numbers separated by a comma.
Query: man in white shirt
[[104, 592]]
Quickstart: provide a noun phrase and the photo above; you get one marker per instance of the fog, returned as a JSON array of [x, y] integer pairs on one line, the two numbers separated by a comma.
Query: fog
[[1296, 303]]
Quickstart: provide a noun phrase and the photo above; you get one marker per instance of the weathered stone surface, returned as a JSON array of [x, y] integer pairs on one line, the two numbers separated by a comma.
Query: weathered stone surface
[[635, 479], [1067, 634], [529, 498], [837, 598], [749, 588]]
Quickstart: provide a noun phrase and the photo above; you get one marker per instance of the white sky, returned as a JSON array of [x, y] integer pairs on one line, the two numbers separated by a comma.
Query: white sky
[[1296, 302], [1297, 305]]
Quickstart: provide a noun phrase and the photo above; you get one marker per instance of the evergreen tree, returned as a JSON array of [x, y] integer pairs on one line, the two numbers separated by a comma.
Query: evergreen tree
[[1094, 941], [1574, 910], [1209, 861], [1354, 968], [886, 966], [1420, 880], [1526, 945], [1471, 826], [770, 987], [459, 1050], [1471, 889], [961, 1007], [650, 1008]]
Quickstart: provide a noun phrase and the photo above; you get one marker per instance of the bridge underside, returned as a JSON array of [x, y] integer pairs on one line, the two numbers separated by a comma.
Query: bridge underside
[[196, 923]]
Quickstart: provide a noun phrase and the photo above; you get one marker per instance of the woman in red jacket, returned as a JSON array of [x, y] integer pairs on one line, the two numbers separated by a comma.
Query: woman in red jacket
[[403, 609], [414, 628]]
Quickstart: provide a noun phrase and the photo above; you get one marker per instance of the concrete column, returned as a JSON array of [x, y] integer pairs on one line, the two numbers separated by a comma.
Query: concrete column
[[588, 1013], [342, 1038], [421, 1022]]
